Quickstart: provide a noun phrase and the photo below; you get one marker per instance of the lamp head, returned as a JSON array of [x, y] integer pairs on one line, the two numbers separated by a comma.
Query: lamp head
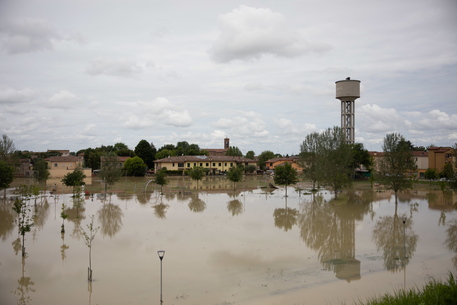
[[161, 253]]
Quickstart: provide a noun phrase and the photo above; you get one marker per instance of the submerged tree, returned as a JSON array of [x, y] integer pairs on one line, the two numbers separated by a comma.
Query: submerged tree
[[25, 222], [285, 175], [196, 173], [88, 239], [64, 216], [6, 176], [111, 170], [397, 166], [75, 179], [235, 174], [161, 178]]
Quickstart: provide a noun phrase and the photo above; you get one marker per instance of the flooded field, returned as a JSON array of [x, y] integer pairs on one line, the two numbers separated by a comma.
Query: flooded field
[[246, 246]]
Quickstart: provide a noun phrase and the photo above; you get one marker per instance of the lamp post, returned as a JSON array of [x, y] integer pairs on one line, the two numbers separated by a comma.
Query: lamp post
[[404, 236], [161, 254]]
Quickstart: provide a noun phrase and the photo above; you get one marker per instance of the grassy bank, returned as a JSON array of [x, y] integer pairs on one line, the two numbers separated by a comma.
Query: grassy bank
[[434, 293]]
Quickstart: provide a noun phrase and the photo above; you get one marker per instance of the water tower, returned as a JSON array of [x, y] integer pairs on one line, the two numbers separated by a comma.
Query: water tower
[[347, 91]]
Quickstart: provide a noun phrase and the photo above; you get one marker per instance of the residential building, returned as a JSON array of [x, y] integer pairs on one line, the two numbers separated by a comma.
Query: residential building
[[439, 156], [216, 164], [272, 163], [421, 159], [59, 166]]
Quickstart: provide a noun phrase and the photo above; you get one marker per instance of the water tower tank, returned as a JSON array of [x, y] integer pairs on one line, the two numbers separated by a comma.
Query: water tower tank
[[348, 89]]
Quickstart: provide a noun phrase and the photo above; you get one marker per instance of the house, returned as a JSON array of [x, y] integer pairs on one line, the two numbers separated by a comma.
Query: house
[[218, 151], [59, 166], [24, 168], [216, 164], [421, 159], [120, 159], [439, 156], [294, 161], [64, 152]]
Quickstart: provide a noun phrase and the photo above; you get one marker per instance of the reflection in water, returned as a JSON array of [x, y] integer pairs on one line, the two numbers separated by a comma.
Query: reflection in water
[[451, 240], [110, 218], [329, 228], [7, 217], [398, 246], [196, 204], [41, 214], [160, 210], [64, 247], [24, 288], [235, 207], [285, 218]]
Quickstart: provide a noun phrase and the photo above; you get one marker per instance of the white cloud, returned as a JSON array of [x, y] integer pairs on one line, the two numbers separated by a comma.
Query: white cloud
[[28, 35], [159, 112], [12, 96], [114, 67], [63, 100], [245, 124], [248, 33]]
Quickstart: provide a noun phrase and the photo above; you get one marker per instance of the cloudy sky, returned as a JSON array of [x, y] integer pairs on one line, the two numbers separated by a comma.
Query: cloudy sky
[[84, 73]]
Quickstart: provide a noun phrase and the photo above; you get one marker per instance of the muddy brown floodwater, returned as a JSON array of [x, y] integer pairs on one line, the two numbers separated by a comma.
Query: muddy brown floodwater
[[249, 246]]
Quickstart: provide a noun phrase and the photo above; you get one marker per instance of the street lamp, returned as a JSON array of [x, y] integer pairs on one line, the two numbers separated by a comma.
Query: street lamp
[[404, 235], [161, 254]]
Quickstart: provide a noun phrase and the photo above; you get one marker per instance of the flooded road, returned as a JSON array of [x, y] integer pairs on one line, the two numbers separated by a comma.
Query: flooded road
[[249, 246]]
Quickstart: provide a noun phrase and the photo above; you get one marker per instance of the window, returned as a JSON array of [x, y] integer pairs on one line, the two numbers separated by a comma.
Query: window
[[220, 164], [173, 165], [180, 164], [207, 164], [195, 164], [225, 164], [214, 164], [55, 164], [231, 164], [201, 164], [188, 164]]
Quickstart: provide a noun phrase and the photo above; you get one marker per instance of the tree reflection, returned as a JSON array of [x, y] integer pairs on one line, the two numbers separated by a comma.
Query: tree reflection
[[24, 288], [160, 209], [451, 240], [235, 206], [329, 228], [41, 214], [196, 204], [285, 218], [110, 218], [7, 218], [64, 247], [390, 235]]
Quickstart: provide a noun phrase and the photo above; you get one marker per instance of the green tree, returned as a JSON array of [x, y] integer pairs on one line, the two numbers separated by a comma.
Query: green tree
[[92, 158], [111, 170], [309, 157], [250, 155], [285, 175], [161, 179], [453, 181], [397, 166], [250, 169], [196, 173], [431, 174], [146, 151], [6, 176], [263, 157], [41, 171], [7, 149], [74, 179], [135, 166], [447, 172], [25, 221], [234, 152], [165, 153], [235, 174], [328, 159], [361, 156]]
